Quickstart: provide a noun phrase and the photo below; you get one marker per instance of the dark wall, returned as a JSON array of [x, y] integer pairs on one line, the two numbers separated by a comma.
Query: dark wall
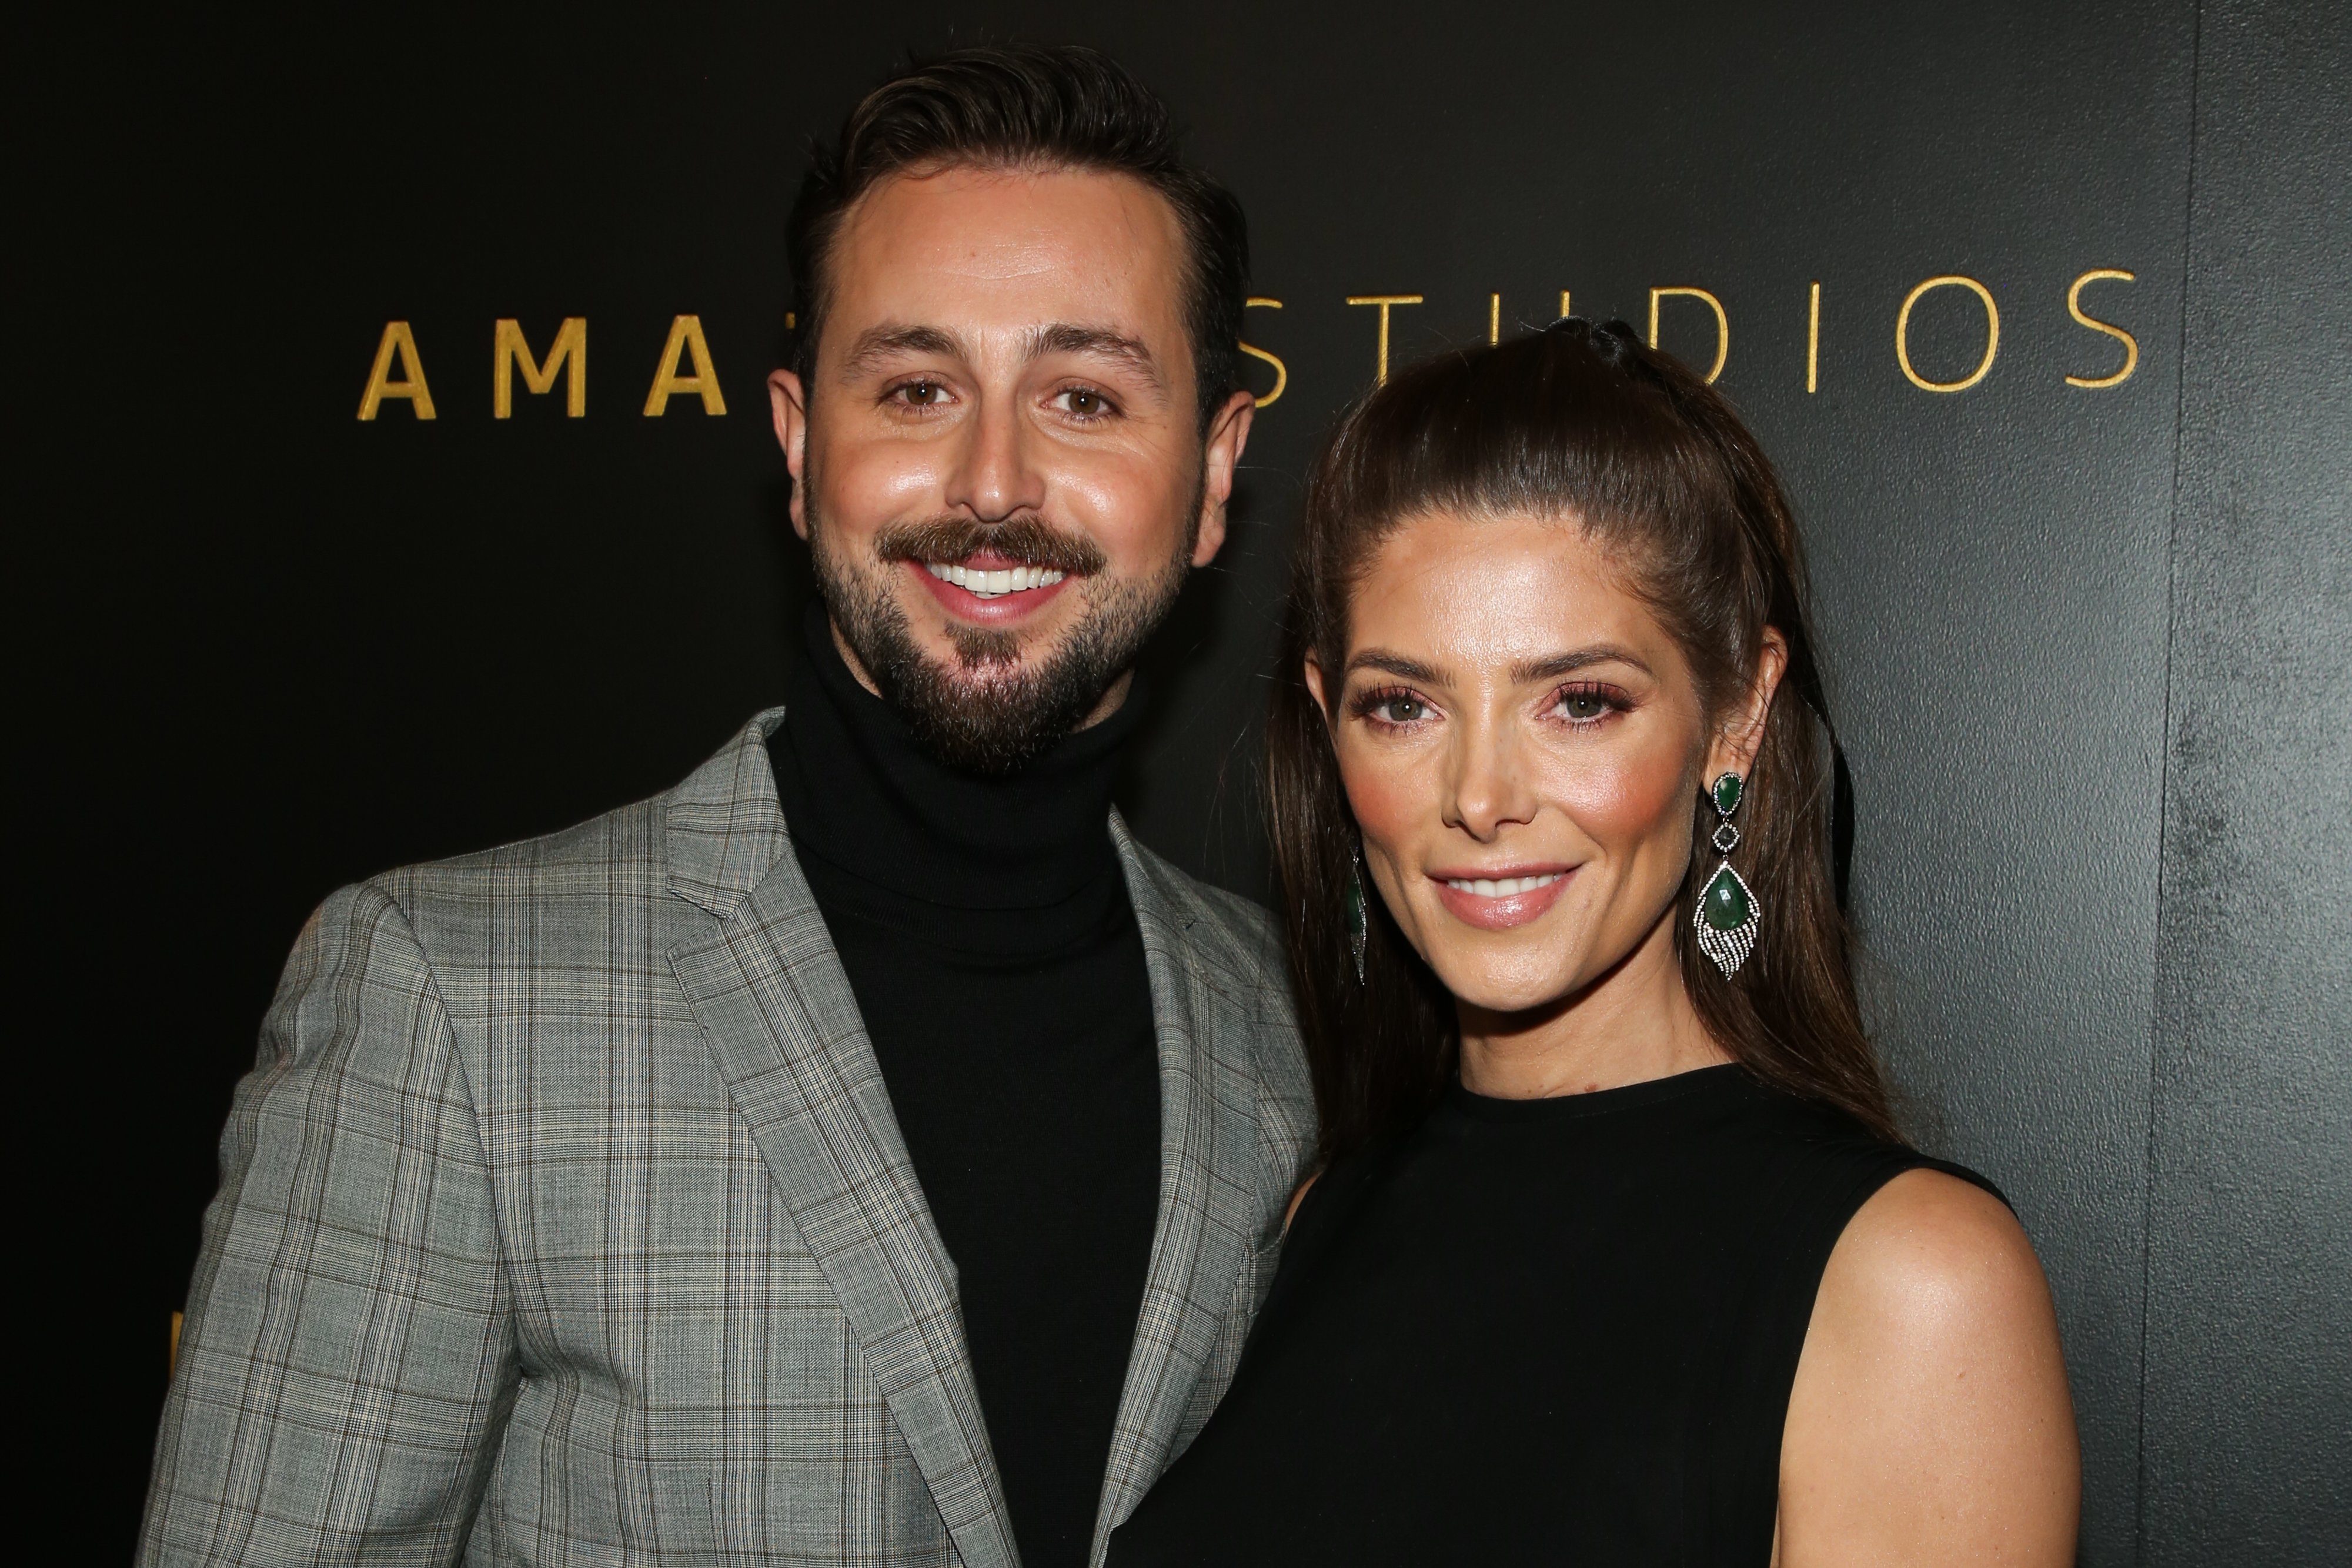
[[2085, 640], [2249, 1360]]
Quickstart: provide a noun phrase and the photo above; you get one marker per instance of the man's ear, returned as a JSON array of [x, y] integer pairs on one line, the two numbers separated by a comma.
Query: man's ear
[[790, 406], [1741, 735], [1228, 434]]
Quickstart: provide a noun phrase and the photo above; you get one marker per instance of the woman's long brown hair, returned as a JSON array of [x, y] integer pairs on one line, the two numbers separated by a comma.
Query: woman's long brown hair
[[1585, 424]]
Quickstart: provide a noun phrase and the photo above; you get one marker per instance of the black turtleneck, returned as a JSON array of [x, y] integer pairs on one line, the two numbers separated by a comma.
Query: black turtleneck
[[987, 933]]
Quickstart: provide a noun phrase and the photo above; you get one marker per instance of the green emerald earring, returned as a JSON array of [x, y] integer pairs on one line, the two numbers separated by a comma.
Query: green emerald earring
[[1729, 914], [1359, 925]]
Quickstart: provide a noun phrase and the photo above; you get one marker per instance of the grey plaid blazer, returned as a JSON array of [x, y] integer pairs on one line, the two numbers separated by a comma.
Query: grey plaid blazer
[[564, 1219]]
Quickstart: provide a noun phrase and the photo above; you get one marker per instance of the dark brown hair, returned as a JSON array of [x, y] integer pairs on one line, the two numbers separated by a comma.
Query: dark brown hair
[[1028, 107], [1585, 424]]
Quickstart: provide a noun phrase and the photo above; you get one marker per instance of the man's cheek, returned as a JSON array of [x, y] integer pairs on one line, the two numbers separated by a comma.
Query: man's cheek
[[1128, 507], [867, 485], [904, 490]]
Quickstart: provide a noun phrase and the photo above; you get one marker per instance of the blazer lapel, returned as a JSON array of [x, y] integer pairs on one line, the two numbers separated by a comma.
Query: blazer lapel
[[776, 1006], [1208, 1198]]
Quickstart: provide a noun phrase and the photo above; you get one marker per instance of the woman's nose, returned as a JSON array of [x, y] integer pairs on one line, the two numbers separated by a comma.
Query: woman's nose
[[1488, 788]]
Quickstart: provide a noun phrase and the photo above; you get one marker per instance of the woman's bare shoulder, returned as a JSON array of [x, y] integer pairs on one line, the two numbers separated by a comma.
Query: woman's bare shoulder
[[1930, 1420], [1929, 1257]]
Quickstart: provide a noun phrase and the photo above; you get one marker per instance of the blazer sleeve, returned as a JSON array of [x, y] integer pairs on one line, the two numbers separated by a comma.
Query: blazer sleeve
[[347, 1358]]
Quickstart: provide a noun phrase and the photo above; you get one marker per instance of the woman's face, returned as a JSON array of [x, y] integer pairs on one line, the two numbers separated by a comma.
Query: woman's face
[[1523, 744]]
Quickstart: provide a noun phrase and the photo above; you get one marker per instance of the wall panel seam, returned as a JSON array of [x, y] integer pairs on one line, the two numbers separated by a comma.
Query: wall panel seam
[[2164, 780]]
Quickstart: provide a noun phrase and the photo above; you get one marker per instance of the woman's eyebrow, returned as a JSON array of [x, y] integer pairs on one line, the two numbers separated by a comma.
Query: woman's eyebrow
[[1396, 665], [1559, 664]]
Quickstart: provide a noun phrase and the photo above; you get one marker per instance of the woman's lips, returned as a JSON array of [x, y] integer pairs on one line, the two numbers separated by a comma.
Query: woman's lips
[[1535, 890]]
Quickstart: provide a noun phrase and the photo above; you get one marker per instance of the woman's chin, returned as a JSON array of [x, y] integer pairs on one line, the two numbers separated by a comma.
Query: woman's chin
[[1507, 990]]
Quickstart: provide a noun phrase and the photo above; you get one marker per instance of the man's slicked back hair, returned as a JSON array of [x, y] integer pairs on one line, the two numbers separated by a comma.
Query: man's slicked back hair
[[1028, 107]]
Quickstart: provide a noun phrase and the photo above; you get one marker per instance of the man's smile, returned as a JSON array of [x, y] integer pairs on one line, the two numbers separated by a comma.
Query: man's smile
[[992, 588], [984, 582]]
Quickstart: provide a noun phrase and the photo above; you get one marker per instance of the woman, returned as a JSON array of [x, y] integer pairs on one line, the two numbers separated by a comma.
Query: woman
[[1615, 1255]]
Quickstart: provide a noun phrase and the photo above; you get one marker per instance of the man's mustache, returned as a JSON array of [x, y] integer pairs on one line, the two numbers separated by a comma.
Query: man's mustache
[[1025, 540]]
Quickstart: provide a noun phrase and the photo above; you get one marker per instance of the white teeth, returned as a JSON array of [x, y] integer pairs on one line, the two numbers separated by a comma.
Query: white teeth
[[1501, 887], [994, 584]]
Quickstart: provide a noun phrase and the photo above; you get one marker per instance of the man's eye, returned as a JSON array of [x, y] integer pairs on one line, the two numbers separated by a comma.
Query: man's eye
[[1085, 402], [923, 394]]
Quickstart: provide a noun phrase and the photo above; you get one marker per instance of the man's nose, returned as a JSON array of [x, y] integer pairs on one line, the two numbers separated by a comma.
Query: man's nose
[[996, 474]]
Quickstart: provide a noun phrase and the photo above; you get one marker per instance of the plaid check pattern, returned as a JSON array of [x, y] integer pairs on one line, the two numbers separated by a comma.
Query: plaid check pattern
[[563, 1221]]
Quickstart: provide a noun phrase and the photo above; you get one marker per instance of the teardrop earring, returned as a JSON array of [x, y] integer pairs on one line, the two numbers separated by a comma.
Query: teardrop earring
[[1358, 919], [1729, 914]]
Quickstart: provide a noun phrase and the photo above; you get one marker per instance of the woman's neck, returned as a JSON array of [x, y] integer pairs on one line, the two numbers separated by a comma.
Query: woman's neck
[[1634, 1024]]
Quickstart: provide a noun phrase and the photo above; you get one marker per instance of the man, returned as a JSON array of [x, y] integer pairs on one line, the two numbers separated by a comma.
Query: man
[[866, 1151]]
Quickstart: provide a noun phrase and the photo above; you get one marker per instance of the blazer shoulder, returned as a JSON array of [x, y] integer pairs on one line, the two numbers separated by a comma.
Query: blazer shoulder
[[1237, 949], [723, 814], [1249, 928], [1234, 932], [606, 846]]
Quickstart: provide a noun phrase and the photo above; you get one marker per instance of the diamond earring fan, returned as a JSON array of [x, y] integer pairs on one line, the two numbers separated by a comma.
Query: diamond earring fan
[[1728, 914], [1359, 918]]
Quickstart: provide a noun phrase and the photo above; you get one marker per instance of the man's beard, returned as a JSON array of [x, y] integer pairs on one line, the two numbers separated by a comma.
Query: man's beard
[[990, 713]]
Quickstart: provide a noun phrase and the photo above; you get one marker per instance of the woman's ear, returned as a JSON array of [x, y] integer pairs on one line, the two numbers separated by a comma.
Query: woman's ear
[[1741, 735], [1314, 670]]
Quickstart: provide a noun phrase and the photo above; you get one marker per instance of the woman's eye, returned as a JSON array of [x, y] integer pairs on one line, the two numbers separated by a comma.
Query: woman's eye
[[1402, 710], [1584, 706]]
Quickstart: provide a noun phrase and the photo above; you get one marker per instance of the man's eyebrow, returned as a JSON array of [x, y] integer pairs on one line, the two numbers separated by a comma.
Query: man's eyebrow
[[1067, 337], [1563, 664], [876, 344], [1396, 664]]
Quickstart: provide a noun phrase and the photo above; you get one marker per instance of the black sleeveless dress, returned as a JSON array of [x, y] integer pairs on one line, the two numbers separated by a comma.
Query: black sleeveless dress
[[1533, 1331]]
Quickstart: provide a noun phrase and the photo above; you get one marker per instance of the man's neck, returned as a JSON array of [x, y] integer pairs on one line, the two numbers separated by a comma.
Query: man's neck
[[861, 794]]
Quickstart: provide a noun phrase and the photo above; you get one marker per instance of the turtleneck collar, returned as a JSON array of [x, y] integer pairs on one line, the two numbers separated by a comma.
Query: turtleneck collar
[[860, 795]]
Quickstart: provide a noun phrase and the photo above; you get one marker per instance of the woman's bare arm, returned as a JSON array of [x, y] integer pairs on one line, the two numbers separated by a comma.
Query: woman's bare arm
[[1296, 1200], [1930, 1422]]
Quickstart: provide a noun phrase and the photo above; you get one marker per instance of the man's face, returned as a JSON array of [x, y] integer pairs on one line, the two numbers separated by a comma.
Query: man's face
[[999, 466]]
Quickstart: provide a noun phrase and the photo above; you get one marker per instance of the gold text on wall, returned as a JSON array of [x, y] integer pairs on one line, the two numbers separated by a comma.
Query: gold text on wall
[[686, 366], [685, 336], [1281, 370], [398, 341], [1380, 361], [2130, 343], [569, 349]]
